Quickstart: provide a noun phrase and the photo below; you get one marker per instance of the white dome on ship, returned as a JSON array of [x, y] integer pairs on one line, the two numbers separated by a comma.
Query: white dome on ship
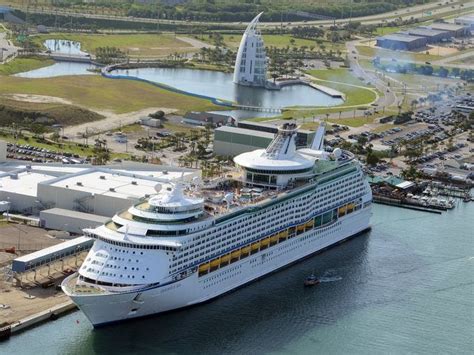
[[172, 197], [281, 153]]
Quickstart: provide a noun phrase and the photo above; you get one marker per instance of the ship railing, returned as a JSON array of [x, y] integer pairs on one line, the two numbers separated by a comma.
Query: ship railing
[[72, 287]]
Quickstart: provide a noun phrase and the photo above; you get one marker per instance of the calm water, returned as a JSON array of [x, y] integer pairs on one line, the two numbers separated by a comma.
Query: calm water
[[219, 85], [64, 47], [404, 287], [59, 69], [204, 82]]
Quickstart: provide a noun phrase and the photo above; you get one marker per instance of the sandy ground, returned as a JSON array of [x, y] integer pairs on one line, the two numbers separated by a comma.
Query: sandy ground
[[42, 99], [112, 120], [195, 42], [441, 51], [18, 300], [26, 237]]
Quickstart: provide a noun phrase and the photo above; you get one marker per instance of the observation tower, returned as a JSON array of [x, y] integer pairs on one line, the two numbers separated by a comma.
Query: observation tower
[[251, 62]]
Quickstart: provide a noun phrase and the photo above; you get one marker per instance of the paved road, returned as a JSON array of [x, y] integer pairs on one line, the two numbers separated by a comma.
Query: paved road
[[387, 97], [447, 61], [415, 12]]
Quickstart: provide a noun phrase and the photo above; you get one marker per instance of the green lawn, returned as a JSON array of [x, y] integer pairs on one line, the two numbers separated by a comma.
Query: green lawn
[[381, 31], [400, 55], [135, 44], [19, 65], [120, 96], [356, 97]]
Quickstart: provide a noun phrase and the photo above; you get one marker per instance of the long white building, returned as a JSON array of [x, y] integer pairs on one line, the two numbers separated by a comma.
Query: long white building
[[251, 62]]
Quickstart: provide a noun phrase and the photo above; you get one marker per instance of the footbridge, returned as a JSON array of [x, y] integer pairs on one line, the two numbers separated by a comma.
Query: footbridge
[[61, 57]]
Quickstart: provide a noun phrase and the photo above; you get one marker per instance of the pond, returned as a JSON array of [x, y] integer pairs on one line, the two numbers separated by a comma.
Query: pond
[[219, 85], [208, 83], [62, 46], [59, 69]]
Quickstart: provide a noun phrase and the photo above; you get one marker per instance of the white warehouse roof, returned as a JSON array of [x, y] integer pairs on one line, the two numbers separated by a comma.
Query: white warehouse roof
[[112, 184], [23, 183]]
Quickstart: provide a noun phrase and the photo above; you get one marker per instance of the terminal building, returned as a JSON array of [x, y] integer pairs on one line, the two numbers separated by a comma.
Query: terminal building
[[248, 136], [431, 35], [70, 197], [205, 118], [453, 29], [231, 141], [251, 61], [401, 41], [467, 20]]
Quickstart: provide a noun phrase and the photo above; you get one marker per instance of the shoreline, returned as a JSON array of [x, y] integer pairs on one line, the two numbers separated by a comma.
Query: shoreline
[[49, 314]]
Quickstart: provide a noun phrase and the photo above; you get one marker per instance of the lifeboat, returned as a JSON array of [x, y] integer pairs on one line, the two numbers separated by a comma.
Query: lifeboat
[[215, 264], [341, 211], [274, 239], [235, 255], [265, 242], [255, 247], [225, 260], [244, 251], [283, 235], [203, 269]]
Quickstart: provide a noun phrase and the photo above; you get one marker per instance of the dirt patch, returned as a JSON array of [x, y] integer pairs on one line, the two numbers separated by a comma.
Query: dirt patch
[[442, 51], [43, 99], [113, 120], [25, 238]]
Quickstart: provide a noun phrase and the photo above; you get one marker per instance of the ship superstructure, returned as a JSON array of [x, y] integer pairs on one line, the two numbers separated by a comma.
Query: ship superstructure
[[192, 242]]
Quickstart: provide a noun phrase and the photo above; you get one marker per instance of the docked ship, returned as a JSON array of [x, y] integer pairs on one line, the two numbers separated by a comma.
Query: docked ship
[[191, 242]]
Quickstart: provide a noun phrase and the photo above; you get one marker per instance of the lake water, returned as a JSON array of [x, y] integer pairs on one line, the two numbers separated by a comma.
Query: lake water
[[59, 69], [64, 47], [219, 85], [204, 82], [406, 286]]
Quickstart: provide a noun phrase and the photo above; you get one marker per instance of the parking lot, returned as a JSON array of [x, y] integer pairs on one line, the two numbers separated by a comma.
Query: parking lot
[[41, 155]]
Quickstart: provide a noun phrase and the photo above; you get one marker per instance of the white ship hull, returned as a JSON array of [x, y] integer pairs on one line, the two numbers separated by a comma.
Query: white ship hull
[[108, 308]]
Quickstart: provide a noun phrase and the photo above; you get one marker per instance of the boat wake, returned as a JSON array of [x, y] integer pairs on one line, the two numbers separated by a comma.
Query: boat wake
[[330, 278]]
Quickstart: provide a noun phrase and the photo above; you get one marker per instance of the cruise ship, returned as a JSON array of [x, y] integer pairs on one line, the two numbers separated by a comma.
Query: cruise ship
[[191, 242]]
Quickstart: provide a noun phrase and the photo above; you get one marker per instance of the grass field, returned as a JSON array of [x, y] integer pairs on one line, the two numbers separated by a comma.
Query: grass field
[[15, 111], [19, 65], [400, 55], [361, 95], [152, 45], [120, 96]]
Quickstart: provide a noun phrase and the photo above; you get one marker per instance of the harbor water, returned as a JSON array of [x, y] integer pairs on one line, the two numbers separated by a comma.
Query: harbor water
[[406, 286]]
